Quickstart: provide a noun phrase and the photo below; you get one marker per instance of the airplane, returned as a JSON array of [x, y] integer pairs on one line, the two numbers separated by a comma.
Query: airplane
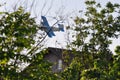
[[49, 30]]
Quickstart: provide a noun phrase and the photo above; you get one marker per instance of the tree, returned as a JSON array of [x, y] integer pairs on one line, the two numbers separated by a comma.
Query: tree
[[94, 60], [17, 32]]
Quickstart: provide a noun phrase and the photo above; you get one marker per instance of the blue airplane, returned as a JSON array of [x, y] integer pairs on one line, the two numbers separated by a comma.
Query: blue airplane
[[48, 29]]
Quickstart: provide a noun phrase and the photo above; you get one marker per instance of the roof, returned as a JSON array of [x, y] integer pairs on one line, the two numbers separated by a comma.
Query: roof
[[59, 52]]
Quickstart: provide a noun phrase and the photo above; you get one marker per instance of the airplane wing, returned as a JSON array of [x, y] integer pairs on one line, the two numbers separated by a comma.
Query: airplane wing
[[48, 29], [45, 22]]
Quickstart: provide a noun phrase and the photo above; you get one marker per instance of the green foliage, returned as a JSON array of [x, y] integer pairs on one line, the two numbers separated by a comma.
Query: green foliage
[[72, 72], [117, 50], [17, 32], [94, 60]]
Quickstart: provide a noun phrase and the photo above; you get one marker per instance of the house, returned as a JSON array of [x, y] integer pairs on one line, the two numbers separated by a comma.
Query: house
[[60, 58]]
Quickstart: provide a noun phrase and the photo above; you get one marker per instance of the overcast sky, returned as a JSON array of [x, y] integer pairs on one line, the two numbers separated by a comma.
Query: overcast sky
[[51, 8]]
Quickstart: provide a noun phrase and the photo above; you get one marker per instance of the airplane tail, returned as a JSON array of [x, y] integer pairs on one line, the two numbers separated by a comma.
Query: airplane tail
[[61, 27]]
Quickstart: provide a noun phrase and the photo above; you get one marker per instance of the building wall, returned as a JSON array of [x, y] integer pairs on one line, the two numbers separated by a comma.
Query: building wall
[[55, 56], [54, 60]]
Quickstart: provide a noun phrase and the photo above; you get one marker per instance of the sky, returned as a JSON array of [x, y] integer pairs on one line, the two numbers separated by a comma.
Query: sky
[[51, 9]]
